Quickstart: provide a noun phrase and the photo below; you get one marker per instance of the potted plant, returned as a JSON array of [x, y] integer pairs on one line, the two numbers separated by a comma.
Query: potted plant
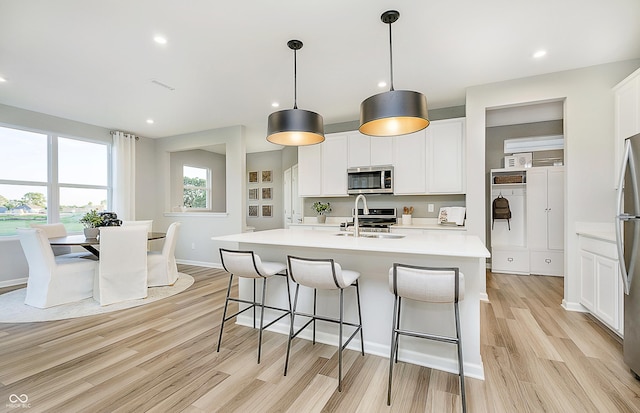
[[91, 221], [321, 209]]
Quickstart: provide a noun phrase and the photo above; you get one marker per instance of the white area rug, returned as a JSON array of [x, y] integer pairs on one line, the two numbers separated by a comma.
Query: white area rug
[[14, 310]]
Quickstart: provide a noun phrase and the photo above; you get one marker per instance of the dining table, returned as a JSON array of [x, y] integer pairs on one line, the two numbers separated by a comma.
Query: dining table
[[79, 240]]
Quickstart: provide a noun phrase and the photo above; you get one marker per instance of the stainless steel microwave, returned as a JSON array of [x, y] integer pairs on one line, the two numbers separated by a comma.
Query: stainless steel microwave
[[370, 180]]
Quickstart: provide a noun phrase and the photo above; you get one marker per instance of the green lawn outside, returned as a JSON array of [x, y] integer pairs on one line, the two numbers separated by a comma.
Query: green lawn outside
[[9, 222]]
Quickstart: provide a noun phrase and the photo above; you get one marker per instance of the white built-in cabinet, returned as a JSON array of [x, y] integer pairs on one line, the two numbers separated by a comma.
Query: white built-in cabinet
[[627, 115], [545, 220], [533, 243], [600, 284], [292, 201], [431, 161]]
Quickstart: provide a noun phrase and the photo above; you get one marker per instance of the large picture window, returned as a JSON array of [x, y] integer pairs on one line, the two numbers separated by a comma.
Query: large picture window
[[48, 178]]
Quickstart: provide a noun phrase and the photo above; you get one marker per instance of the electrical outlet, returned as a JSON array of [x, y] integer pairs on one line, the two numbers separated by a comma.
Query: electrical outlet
[[430, 207], [193, 245]]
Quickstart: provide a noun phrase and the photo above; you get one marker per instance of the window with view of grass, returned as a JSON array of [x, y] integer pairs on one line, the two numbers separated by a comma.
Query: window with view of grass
[[196, 192], [48, 178]]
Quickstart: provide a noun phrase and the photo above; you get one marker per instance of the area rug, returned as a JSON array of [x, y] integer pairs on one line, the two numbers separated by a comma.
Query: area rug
[[14, 310]]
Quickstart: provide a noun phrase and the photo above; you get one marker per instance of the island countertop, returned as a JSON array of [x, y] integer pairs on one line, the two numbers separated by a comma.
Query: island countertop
[[443, 244]]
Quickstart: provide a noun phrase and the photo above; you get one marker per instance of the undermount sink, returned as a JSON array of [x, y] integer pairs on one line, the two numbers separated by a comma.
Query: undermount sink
[[385, 235]]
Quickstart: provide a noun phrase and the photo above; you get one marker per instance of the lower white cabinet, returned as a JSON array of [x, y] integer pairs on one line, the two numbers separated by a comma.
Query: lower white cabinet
[[600, 285], [510, 260]]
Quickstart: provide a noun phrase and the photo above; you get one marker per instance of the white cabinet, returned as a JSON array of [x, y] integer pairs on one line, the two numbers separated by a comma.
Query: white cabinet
[[545, 219], [334, 165], [445, 157], [292, 202], [381, 150], [600, 285], [369, 151], [409, 164], [310, 170], [627, 115], [510, 260]]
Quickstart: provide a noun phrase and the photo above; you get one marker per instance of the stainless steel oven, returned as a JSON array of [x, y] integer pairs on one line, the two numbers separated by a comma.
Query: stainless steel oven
[[370, 180]]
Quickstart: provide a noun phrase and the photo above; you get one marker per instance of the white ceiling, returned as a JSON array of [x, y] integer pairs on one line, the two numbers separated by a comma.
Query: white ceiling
[[94, 61]]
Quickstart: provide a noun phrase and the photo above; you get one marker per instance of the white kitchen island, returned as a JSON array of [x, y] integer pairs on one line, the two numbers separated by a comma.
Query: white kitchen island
[[373, 257]]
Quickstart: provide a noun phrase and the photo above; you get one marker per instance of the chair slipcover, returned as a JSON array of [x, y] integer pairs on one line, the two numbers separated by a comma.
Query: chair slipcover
[[147, 223], [56, 231], [122, 269], [53, 280], [161, 265]]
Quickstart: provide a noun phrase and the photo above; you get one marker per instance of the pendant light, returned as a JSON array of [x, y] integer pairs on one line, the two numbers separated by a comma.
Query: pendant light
[[396, 112], [295, 127]]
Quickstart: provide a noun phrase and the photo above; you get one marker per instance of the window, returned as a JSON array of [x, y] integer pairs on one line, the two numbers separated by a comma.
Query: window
[[196, 193], [48, 178]]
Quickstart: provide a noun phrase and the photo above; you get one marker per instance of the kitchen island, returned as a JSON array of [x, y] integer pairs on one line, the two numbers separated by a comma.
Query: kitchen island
[[373, 257]]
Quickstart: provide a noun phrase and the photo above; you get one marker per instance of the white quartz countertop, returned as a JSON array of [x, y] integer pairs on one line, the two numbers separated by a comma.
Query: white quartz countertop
[[444, 243]]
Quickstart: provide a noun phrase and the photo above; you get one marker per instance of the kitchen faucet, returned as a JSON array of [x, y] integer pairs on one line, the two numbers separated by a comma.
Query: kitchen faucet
[[356, 224]]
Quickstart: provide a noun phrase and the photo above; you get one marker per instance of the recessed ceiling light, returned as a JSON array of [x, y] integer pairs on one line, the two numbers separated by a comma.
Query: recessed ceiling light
[[539, 54], [275, 105], [382, 84], [160, 39], [149, 121]]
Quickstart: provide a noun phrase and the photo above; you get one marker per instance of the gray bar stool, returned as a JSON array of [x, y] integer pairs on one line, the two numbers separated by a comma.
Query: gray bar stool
[[427, 284], [323, 274], [246, 264]]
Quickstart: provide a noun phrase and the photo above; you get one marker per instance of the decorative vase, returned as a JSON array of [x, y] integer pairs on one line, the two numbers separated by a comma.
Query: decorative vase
[[91, 233], [406, 219], [322, 219]]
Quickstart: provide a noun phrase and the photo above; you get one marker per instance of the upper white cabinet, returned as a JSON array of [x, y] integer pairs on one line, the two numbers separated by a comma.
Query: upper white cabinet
[[627, 115], [409, 164], [334, 165], [292, 202], [381, 150], [369, 151], [310, 170], [445, 157]]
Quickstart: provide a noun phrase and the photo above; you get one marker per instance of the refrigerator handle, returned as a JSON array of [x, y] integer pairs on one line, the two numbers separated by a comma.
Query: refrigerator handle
[[619, 219]]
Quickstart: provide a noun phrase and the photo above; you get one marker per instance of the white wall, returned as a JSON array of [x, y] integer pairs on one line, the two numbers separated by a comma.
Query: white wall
[[589, 147]]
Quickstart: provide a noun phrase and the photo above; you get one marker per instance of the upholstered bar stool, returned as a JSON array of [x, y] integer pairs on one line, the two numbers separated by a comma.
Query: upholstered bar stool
[[323, 274], [246, 264], [432, 285]]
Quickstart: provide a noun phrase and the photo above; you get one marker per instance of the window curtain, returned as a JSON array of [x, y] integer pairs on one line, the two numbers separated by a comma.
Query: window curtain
[[124, 175]]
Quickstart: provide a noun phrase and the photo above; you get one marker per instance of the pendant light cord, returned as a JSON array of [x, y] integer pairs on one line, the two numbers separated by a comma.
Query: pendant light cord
[[295, 80], [390, 56]]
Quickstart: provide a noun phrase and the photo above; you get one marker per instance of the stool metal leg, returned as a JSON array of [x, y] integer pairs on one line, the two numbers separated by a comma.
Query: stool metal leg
[[357, 285], [340, 340], [254, 300], [293, 312], [398, 329], [460, 362], [315, 301], [224, 312], [394, 345], [264, 293]]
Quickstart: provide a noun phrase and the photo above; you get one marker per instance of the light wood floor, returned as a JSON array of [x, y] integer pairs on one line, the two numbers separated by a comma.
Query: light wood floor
[[161, 358]]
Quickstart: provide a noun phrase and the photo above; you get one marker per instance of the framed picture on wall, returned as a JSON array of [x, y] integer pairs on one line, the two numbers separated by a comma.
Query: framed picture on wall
[[267, 176], [253, 194], [267, 211], [253, 210], [253, 177], [267, 193]]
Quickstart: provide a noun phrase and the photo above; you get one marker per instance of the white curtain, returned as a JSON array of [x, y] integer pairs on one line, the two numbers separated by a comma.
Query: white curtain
[[124, 175]]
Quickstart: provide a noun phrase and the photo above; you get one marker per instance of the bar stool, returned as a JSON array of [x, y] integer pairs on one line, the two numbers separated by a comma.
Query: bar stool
[[323, 274], [427, 284], [246, 264]]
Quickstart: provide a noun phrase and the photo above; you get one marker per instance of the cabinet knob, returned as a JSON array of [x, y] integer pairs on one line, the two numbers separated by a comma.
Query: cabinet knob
[[548, 260], [510, 259]]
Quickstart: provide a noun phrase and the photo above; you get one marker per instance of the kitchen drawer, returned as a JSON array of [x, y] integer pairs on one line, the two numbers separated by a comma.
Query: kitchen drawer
[[547, 262], [511, 261]]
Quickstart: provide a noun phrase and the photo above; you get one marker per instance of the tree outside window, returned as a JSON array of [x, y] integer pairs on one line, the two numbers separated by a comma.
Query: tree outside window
[[196, 187]]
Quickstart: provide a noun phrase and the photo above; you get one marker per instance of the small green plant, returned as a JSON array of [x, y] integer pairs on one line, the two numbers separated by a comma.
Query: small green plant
[[321, 208], [91, 219]]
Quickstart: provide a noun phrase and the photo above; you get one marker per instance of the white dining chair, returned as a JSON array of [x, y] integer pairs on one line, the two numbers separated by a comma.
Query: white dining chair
[[59, 230], [122, 269], [147, 223], [161, 265], [53, 280]]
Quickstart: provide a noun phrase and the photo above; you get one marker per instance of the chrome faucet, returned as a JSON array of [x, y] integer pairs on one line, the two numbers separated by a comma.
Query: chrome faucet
[[356, 224]]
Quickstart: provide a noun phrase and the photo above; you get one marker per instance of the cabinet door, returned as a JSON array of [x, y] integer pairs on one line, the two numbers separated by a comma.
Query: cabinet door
[[334, 165], [381, 150], [286, 192], [445, 157], [296, 201], [310, 170], [359, 150], [607, 291], [555, 208], [537, 208], [409, 155], [587, 267]]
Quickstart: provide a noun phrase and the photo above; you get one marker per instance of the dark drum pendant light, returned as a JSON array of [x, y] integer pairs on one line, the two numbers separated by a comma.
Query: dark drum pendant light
[[396, 112], [295, 127]]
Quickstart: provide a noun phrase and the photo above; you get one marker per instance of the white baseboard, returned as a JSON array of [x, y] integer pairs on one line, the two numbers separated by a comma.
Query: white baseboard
[[570, 306], [200, 263], [11, 283]]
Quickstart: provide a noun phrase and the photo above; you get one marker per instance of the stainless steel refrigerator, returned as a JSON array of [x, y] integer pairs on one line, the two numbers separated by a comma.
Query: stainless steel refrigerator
[[628, 239]]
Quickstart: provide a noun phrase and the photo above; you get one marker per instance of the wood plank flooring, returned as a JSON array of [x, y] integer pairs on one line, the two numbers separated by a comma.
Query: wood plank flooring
[[161, 358]]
